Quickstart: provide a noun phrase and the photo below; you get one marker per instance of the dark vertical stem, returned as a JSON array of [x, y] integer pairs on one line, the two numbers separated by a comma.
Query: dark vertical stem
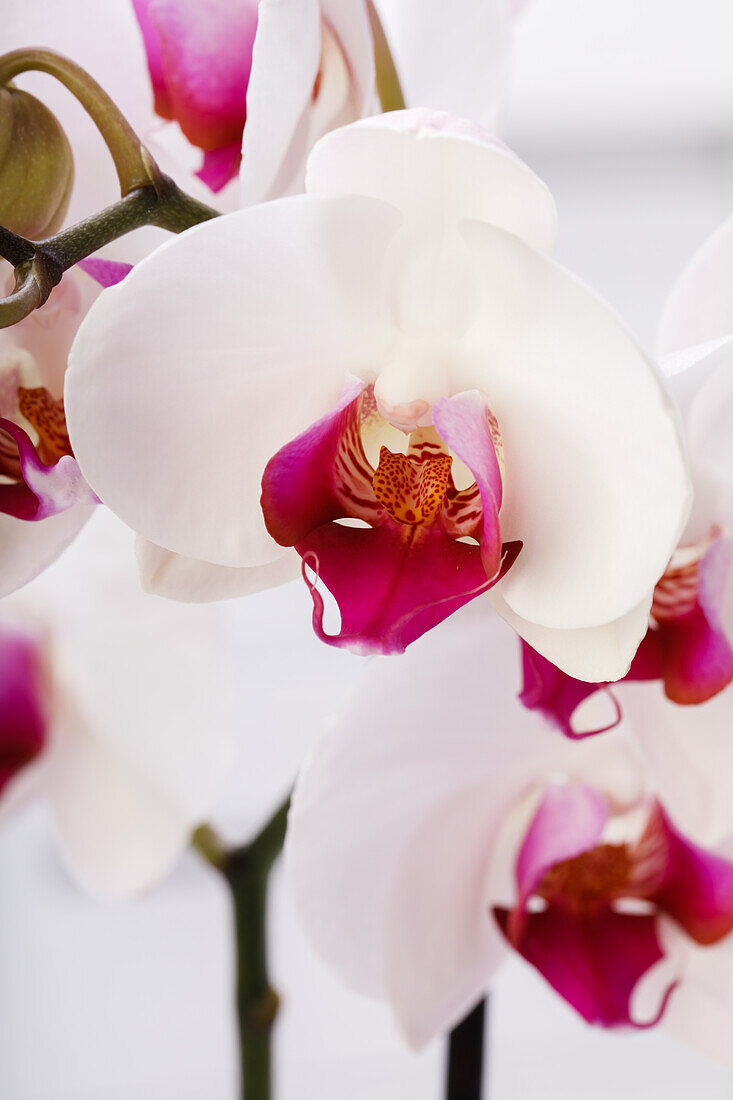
[[464, 1077], [247, 871]]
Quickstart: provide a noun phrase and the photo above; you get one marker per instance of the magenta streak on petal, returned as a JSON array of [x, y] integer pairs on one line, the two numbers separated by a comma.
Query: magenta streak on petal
[[298, 486], [154, 52], [220, 166], [696, 887], [569, 820], [391, 583], [47, 490], [556, 694], [105, 272], [22, 717], [593, 961], [698, 661], [462, 422], [200, 57]]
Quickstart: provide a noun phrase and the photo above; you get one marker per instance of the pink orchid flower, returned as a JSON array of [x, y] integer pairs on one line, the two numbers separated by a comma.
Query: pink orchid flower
[[434, 830], [114, 709], [688, 648], [394, 349]]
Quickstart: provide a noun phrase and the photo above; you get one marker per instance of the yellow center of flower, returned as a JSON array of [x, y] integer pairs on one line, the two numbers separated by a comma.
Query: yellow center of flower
[[46, 414], [410, 489]]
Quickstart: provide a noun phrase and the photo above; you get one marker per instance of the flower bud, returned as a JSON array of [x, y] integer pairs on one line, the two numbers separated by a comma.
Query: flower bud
[[36, 166]]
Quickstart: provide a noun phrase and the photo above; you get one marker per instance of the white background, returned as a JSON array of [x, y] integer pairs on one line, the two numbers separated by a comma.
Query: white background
[[626, 110]]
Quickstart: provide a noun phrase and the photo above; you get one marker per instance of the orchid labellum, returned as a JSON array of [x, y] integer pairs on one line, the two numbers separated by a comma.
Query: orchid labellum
[[114, 709], [433, 830], [428, 406]]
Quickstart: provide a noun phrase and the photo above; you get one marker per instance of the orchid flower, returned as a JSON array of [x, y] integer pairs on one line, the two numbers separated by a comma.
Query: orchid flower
[[113, 708], [688, 648], [395, 349], [44, 500], [435, 829]]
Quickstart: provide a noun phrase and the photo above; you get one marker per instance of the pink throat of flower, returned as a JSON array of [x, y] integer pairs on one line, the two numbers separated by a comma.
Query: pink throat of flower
[[594, 934], [22, 703], [423, 547]]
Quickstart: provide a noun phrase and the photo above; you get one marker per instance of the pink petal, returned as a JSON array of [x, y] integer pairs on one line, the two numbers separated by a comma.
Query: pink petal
[[593, 962], [200, 56], [154, 51], [697, 886], [392, 583], [462, 423], [105, 272], [220, 165], [22, 713], [570, 820], [698, 660], [46, 490], [556, 695], [298, 486]]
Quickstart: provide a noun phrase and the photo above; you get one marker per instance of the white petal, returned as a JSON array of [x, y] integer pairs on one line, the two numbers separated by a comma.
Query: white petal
[[592, 653], [596, 485], [437, 169], [700, 306], [216, 350], [433, 744], [178, 578], [451, 59], [700, 1011], [350, 22], [142, 726], [285, 60], [26, 548], [117, 832], [689, 751]]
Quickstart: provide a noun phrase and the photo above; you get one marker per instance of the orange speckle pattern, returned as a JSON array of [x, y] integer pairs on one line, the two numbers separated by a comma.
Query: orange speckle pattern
[[46, 414], [411, 490]]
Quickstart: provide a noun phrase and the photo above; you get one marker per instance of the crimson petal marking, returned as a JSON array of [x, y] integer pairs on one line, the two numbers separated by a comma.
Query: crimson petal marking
[[105, 272], [462, 422], [557, 695], [200, 58], [322, 475], [694, 886], [220, 166], [46, 490], [392, 583], [593, 961], [22, 714]]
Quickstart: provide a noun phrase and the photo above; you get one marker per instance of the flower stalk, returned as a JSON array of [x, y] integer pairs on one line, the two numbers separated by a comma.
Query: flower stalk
[[247, 870], [134, 167], [465, 1069]]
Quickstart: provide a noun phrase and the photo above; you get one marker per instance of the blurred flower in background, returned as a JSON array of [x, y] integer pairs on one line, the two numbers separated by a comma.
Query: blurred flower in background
[[437, 823], [115, 708]]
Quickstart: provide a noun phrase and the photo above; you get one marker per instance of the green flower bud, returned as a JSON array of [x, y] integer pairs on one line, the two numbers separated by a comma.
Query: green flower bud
[[36, 166]]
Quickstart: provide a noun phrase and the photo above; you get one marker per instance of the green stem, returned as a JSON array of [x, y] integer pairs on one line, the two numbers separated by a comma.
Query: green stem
[[388, 82], [135, 167], [162, 204], [247, 870]]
